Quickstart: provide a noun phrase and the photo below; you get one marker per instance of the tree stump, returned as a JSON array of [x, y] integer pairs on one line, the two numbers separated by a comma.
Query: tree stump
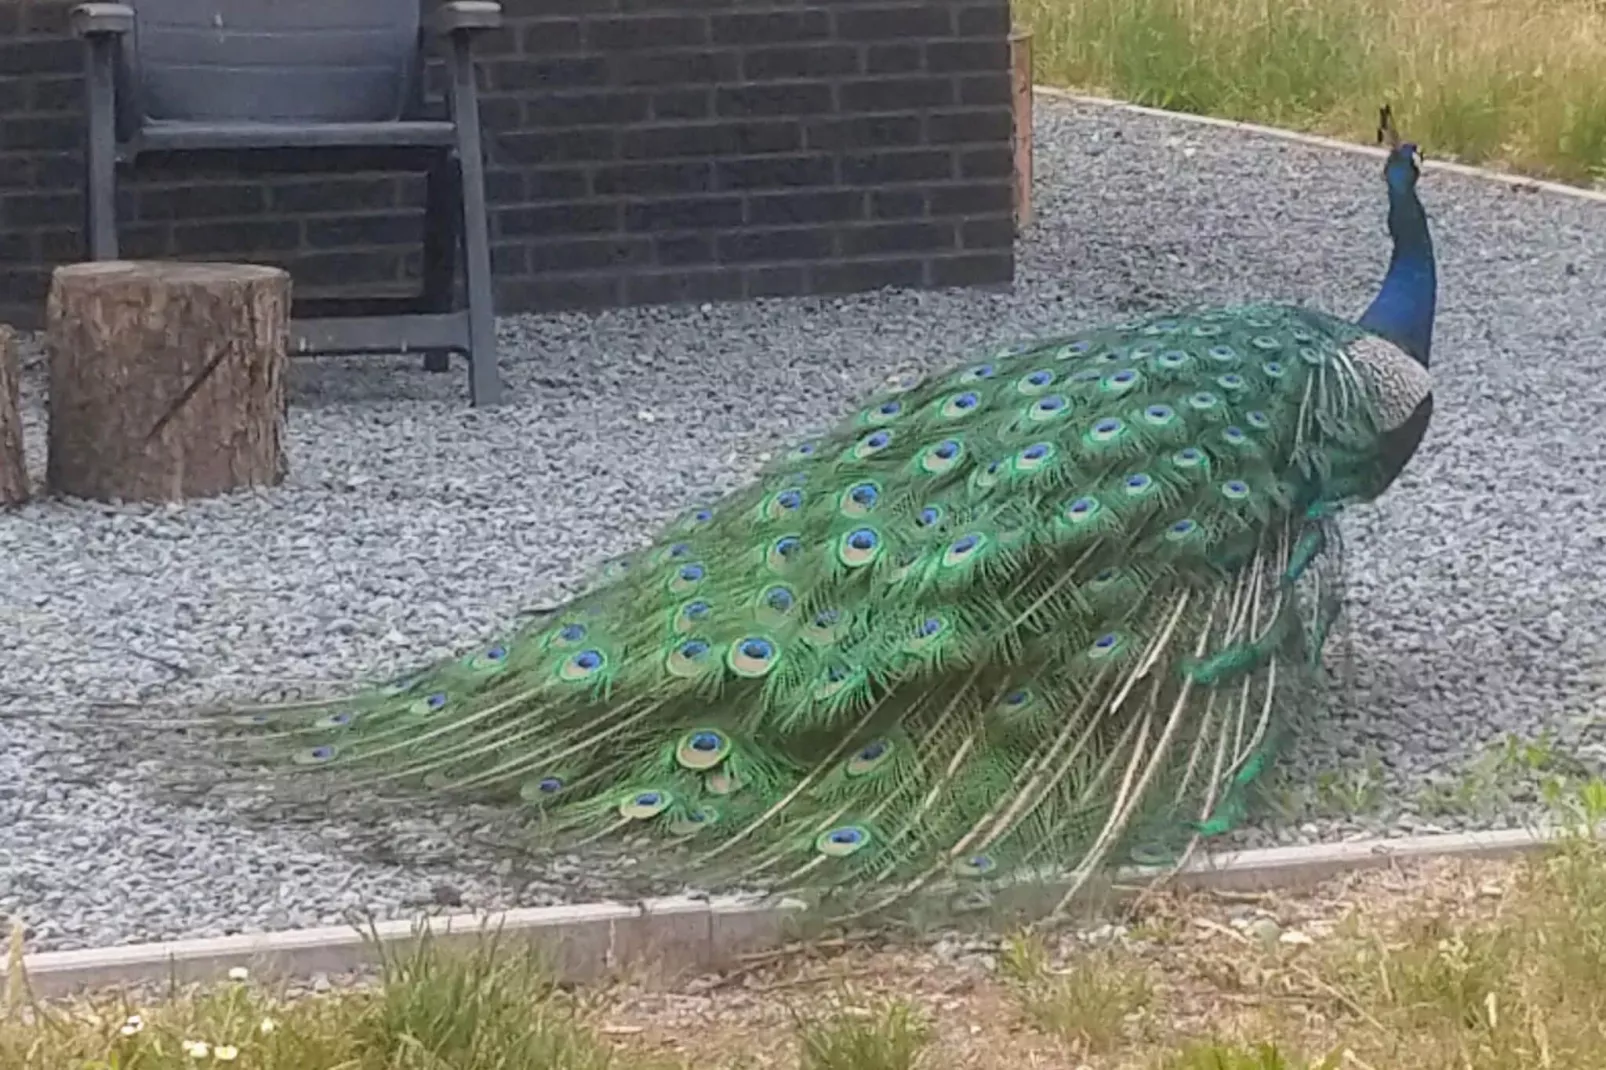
[[166, 379], [13, 466]]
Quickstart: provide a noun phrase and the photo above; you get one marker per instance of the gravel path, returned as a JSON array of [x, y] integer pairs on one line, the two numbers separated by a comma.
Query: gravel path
[[412, 525]]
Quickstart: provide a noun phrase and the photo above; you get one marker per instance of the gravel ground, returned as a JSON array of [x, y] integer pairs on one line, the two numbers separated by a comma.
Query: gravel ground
[[412, 525]]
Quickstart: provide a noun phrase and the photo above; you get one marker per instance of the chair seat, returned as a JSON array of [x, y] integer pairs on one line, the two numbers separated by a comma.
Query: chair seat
[[174, 136]]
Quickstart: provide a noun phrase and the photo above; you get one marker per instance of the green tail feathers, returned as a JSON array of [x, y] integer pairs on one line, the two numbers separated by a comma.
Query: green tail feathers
[[1027, 613]]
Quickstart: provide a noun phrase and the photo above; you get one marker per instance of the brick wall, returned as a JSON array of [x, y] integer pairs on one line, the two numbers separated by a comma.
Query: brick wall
[[640, 151]]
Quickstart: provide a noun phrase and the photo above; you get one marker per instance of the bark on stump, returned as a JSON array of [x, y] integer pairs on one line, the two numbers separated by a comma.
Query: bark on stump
[[166, 379], [13, 467]]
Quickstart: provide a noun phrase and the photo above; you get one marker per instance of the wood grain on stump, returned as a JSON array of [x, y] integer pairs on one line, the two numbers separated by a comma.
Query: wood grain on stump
[[166, 379], [13, 466]]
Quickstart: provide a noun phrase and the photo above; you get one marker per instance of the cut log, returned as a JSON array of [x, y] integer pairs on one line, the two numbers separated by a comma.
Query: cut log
[[1020, 65], [166, 379], [13, 465]]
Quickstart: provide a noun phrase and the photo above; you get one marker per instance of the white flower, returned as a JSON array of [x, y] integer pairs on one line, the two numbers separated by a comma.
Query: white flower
[[225, 1053], [268, 1025], [133, 1025], [239, 973], [197, 1049]]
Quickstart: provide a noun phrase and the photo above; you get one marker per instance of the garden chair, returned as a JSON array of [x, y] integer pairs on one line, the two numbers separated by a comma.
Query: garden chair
[[250, 79]]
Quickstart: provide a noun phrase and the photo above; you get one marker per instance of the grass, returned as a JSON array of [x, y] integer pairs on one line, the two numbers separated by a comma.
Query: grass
[[1444, 966], [1519, 84]]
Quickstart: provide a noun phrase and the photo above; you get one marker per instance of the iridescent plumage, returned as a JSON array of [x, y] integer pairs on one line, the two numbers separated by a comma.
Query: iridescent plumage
[[1026, 613]]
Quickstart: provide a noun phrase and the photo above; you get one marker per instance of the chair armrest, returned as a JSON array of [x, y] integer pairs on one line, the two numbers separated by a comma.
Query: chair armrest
[[467, 16], [94, 20]]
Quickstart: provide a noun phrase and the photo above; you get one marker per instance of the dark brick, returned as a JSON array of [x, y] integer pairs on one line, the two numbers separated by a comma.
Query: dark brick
[[812, 206], [870, 22], [57, 94], [334, 195], [982, 89], [642, 179], [34, 55], [331, 232], [713, 139], [41, 133], [765, 172], [897, 238], [42, 209], [777, 98], [589, 254], [983, 20], [561, 292], [898, 204], [675, 287], [689, 214], [582, 109], [997, 233], [638, 150], [987, 125], [596, 217], [855, 276], [974, 269], [563, 146], [800, 61], [244, 238], [681, 249], [557, 184], [795, 243], [646, 32], [864, 132], [199, 201], [14, 96], [768, 27], [572, 72], [677, 68], [340, 268], [967, 56], [895, 94], [777, 280], [509, 260], [878, 168], [683, 104], [550, 37], [974, 199], [894, 59], [994, 162]]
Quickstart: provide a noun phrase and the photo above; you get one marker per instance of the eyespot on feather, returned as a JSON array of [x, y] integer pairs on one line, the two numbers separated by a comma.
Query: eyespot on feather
[[702, 749], [645, 805], [871, 757], [753, 656], [859, 500], [859, 547], [582, 666], [842, 841]]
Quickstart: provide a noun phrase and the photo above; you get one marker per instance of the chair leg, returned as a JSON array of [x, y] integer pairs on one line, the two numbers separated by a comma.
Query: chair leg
[[485, 386], [100, 156], [442, 195]]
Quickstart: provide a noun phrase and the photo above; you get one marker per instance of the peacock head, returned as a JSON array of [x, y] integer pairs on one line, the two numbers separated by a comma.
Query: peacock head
[[1404, 164]]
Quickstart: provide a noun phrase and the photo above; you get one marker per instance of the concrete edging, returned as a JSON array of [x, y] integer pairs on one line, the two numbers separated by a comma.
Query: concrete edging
[[672, 935], [1520, 182]]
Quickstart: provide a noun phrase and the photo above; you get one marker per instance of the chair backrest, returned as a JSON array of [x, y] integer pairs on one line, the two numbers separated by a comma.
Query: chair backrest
[[278, 61]]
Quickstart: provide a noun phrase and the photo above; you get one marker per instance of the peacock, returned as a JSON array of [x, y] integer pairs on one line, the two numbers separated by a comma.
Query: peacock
[[1024, 614]]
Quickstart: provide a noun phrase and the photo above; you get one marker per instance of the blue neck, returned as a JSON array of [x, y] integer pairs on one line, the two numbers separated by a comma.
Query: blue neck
[[1404, 306]]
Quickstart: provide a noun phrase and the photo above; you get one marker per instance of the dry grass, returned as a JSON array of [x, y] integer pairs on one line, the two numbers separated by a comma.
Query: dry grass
[[1513, 83], [1436, 966]]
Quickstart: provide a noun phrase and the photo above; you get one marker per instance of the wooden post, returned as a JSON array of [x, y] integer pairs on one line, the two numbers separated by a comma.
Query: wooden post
[[166, 379], [13, 464], [1020, 63]]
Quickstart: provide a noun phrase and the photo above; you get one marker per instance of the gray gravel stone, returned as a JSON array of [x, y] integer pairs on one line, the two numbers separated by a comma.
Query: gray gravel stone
[[412, 525]]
